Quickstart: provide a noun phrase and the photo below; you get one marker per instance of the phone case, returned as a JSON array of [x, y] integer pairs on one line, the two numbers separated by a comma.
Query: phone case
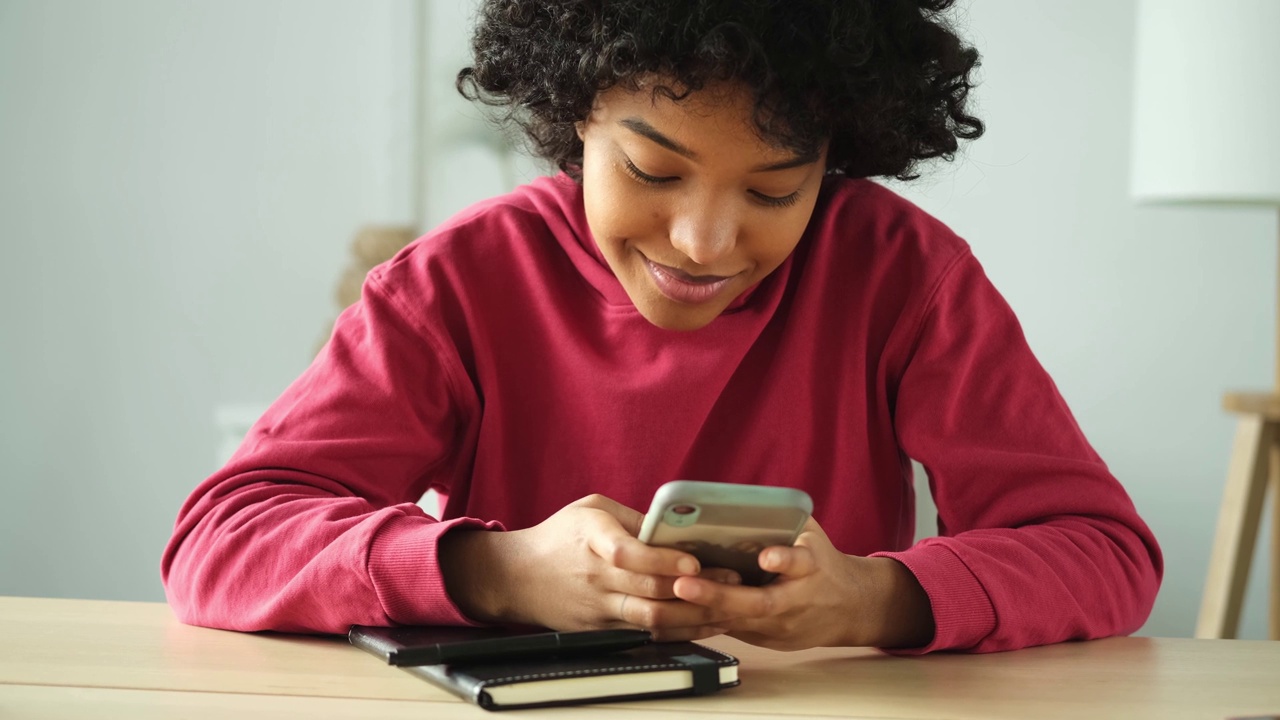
[[726, 524]]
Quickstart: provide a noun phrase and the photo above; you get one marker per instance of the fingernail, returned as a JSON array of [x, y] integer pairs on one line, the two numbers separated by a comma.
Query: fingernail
[[733, 579], [687, 566]]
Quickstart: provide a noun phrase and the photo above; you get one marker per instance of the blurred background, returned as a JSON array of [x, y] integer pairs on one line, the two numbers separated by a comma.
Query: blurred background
[[181, 182]]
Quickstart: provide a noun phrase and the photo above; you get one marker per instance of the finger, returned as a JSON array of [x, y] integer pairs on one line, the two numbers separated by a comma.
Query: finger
[[720, 575], [654, 587], [654, 615], [611, 543], [659, 587], [797, 561], [736, 601]]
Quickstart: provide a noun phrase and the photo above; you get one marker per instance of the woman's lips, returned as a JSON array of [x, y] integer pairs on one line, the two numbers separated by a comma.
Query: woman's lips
[[683, 287]]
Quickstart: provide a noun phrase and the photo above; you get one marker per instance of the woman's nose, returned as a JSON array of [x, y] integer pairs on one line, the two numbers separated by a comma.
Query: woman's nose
[[704, 234]]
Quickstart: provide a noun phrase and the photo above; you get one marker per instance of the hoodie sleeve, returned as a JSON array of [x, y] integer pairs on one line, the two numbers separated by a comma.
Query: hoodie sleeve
[[1038, 542], [312, 525]]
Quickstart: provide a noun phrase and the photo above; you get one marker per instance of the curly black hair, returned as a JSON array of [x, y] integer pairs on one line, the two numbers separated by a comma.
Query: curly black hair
[[886, 81]]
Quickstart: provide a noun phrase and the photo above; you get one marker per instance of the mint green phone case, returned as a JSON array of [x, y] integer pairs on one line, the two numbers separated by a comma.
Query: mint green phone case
[[726, 524]]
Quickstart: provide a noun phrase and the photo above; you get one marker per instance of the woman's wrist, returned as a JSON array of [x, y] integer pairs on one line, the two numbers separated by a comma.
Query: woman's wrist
[[474, 564], [904, 608], [892, 610]]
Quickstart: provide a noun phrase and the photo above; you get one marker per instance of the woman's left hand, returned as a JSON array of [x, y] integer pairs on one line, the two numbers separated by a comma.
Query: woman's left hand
[[821, 598]]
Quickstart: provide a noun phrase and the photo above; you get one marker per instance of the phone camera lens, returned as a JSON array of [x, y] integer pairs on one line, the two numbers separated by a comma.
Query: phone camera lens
[[683, 509]]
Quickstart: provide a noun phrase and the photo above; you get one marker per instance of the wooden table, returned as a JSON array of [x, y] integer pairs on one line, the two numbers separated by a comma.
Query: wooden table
[[88, 658]]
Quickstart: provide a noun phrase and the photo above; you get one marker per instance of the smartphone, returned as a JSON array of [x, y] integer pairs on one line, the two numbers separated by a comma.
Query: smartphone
[[725, 524]]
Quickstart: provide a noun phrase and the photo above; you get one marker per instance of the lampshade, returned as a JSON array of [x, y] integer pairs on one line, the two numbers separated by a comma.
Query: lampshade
[[1206, 115]]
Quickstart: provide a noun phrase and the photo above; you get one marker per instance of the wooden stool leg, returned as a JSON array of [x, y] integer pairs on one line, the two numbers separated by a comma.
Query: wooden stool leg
[[1238, 522], [1275, 538]]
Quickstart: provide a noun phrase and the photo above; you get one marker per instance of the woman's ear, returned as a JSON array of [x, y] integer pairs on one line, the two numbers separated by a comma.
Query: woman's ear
[[581, 127]]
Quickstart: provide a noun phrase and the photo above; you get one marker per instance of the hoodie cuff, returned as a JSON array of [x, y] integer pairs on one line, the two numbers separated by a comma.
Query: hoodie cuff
[[962, 612], [404, 567]]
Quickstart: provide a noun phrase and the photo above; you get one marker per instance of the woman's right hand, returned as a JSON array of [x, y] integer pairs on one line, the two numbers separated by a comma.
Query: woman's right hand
[[580, 569]]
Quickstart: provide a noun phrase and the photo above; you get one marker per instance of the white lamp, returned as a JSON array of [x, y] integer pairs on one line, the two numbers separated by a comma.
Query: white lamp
[[1206, 130]]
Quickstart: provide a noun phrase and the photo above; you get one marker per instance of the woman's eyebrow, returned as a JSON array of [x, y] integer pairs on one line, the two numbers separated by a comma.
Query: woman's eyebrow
[[640, 127], [797, 161]]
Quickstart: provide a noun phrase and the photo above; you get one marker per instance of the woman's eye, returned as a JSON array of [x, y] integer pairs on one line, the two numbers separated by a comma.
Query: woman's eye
[[766, 200], [645, 177], [781, 202]]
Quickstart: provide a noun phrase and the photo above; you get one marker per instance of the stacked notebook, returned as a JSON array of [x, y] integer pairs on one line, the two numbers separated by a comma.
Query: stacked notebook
[[502, 670]]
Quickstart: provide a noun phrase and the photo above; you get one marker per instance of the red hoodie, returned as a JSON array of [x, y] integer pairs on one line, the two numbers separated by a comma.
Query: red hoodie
[[499, 361]]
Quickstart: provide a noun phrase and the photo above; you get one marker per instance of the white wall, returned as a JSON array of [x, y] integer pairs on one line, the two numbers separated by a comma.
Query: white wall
[[1143, 315], [468, 158], [179, 182]]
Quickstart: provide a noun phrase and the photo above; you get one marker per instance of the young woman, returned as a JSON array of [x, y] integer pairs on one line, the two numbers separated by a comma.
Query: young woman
[[711, 289]]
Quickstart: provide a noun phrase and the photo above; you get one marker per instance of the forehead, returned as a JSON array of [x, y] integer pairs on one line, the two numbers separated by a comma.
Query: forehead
[[718, 115]]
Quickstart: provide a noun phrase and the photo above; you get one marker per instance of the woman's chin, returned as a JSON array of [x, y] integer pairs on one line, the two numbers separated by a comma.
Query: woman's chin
[[670, 315]]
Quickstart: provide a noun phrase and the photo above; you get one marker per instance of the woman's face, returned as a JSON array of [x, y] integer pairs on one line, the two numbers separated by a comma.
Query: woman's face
[[688, 205]]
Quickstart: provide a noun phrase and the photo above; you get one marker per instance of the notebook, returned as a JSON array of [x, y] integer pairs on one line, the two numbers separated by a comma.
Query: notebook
[[433, 644], [650, 671]]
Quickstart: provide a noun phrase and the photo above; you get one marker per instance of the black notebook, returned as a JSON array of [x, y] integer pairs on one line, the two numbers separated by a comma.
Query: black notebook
[[434, 644], [650, 671]]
